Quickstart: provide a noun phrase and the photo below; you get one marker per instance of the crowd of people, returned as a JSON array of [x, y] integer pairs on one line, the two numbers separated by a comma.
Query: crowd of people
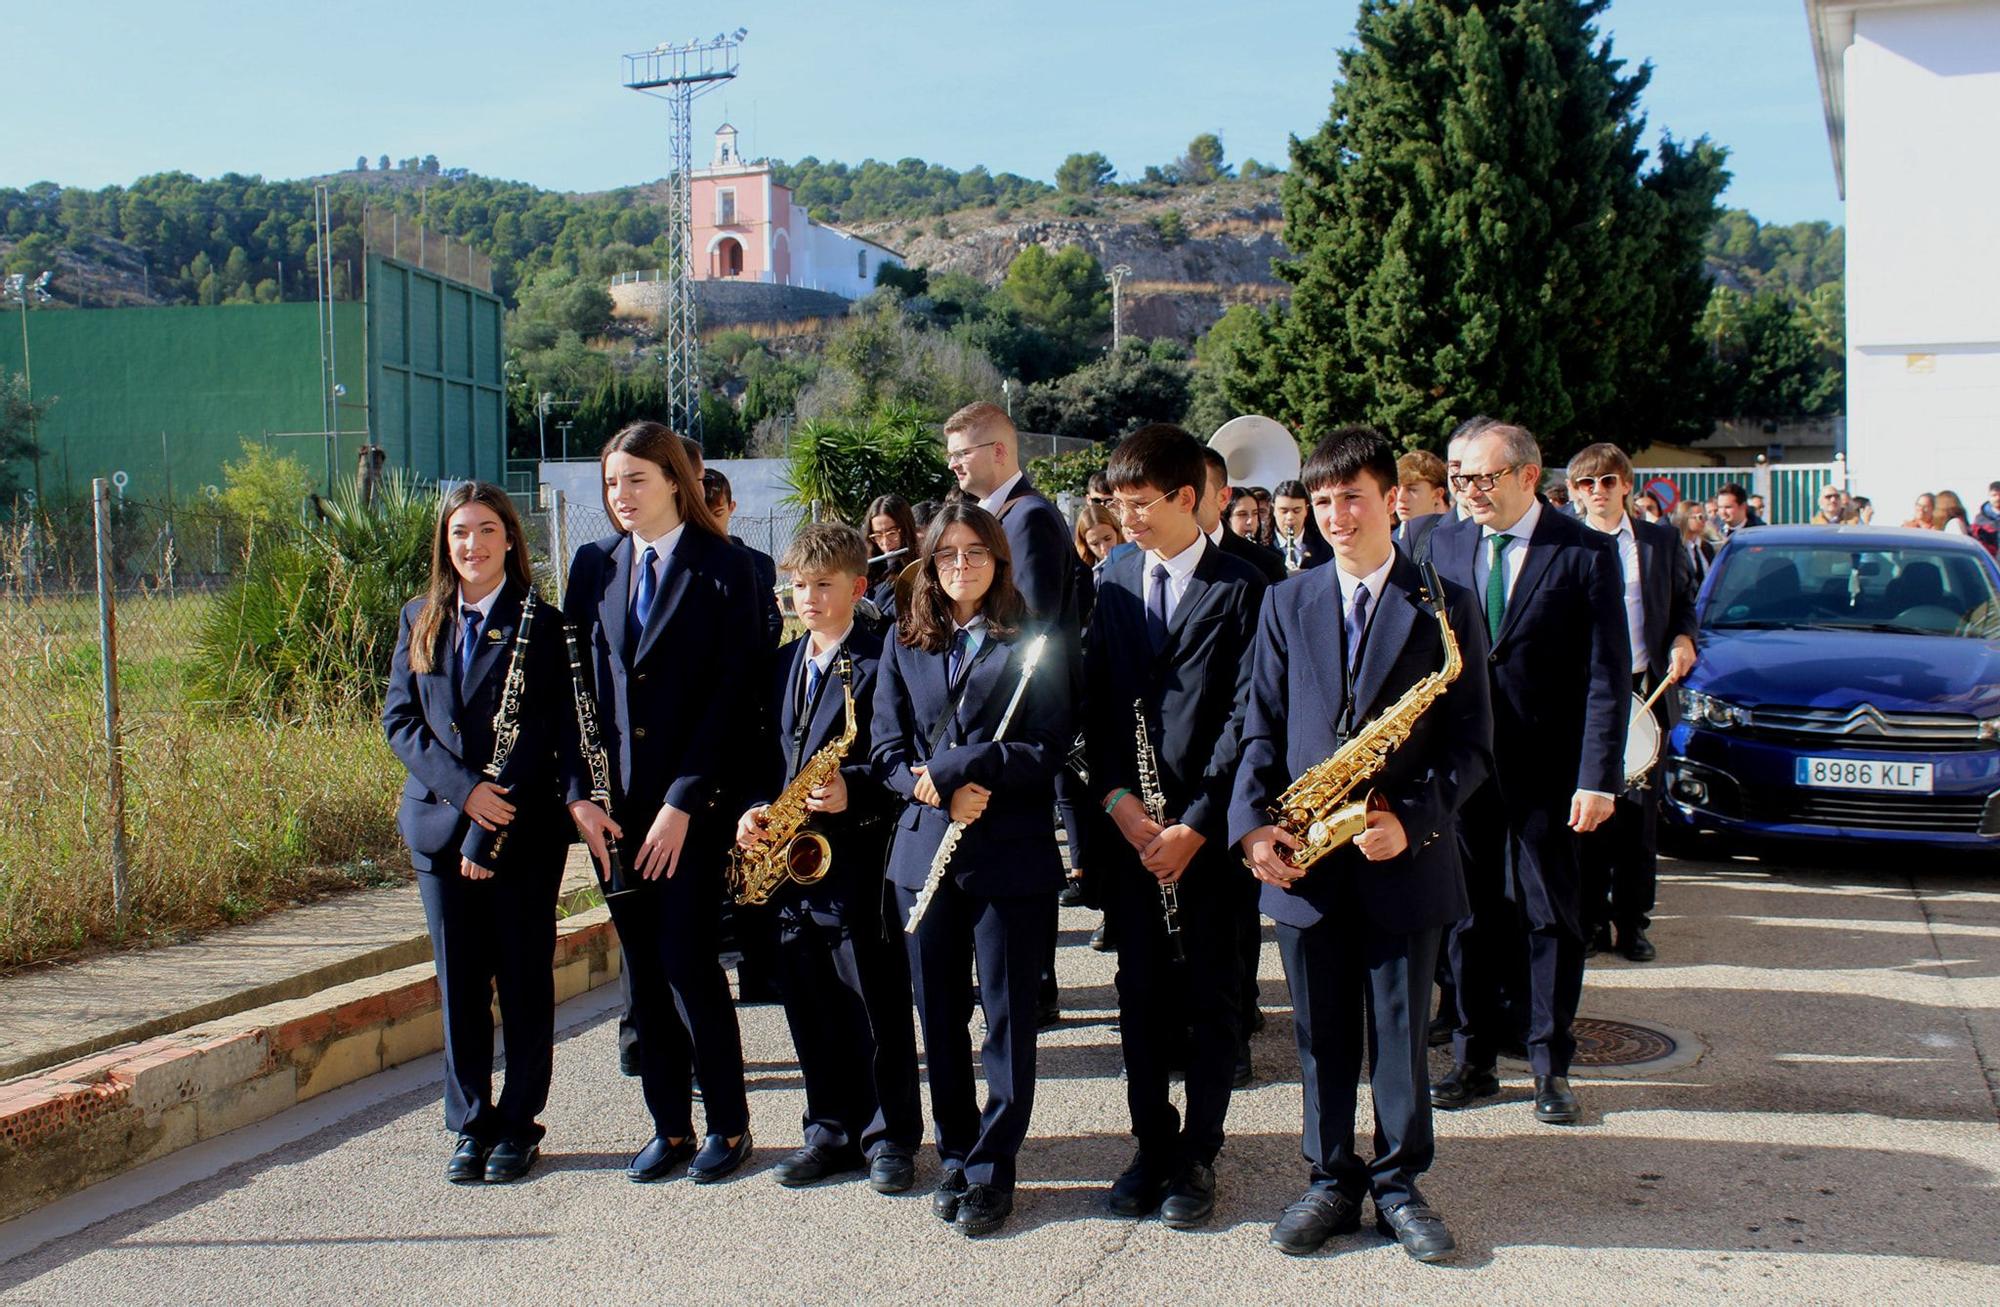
[[1150, 678]]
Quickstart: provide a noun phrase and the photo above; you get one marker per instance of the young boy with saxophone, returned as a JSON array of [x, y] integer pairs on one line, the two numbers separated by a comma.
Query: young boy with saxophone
[[812, 850]]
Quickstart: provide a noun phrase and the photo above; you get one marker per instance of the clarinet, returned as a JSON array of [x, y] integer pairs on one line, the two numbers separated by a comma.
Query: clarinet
[[613, 871], [949, 845], [1155, 801], [507, 718]]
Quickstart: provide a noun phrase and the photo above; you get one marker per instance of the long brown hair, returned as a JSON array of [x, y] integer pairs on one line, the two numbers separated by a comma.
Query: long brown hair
[[1094, 515], [658, 444], [926, 622], [441, 599], [897, 507]]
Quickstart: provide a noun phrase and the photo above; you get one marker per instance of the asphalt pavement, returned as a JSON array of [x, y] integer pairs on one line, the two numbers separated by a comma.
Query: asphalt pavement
[[1827, 1133]]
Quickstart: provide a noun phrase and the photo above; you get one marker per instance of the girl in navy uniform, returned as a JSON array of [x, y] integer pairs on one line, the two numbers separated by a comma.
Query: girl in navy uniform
[[488, 850], [670, 620], [943, 687]]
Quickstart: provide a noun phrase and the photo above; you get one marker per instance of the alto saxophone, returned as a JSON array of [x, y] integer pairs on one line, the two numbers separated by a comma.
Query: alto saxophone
[[1154, 800], [1316, 808], [788, 851]]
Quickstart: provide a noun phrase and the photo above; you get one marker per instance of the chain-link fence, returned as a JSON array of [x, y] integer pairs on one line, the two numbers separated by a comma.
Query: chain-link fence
[[562, 524]]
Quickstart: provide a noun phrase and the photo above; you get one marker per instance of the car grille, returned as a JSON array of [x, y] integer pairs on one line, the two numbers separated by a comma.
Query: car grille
[[1867, 727], [1945, 813]]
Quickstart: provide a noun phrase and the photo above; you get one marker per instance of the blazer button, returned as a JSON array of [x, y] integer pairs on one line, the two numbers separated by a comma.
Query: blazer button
[[1493, 657], [638, 732], [454, 728], [639, 677]]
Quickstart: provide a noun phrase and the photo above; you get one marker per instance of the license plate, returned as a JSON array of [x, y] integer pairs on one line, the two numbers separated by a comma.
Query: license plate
[[1864, 774]]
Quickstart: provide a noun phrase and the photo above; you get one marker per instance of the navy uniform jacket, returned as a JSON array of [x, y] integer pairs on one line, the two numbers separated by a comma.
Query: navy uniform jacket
[[856, 836], [1190, 689], [676, 700], [1294, 717], [1011, 849], [1267, 561], [446, 743], [1044, 556], [767, 580], [1667, 589], [1413, 535]]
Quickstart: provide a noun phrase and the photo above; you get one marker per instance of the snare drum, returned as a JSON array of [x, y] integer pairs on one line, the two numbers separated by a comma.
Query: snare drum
[[1642, 744]]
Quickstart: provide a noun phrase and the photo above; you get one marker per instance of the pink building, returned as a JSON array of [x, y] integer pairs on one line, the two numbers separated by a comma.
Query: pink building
[[747, 226]]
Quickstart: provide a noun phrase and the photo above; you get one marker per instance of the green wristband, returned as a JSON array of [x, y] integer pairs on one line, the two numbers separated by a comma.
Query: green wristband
[[1112, 802]]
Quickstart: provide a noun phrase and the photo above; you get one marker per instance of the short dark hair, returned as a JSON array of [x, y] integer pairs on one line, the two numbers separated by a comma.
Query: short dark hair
[[715, 490], [1100, 483], [1216, 462], [1293, 489], [1160, 455], [1344, 454], [1994, 486], [1261, 495], [1731, 488]]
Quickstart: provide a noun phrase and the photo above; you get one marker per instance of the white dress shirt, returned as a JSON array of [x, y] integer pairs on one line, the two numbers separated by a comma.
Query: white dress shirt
[[822, 661], [1375, 582], [1180, 571], [1635, 590], [996, 501], [484, 607], [661, 548]]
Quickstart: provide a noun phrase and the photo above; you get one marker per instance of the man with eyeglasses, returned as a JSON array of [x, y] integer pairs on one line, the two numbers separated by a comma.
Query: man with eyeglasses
[[983, 450], [1621, 857], [1560, 670], [1829, 513]]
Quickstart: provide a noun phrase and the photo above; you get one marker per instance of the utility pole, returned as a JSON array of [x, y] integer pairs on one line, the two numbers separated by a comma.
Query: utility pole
[[1118, 276]]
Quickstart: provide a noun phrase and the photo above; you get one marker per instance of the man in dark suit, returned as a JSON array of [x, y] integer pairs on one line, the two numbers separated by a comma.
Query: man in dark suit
[[1169, 644], [1621, 857], [1359, 929], [1733, 512], [1560, 667], [1295, 535], [983, 450]]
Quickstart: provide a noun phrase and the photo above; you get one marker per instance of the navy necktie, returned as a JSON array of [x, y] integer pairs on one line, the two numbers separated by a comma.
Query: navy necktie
[[468, 643], [649, 588], [812, 687], [1156, 609], [957, 663], [1357, 628]]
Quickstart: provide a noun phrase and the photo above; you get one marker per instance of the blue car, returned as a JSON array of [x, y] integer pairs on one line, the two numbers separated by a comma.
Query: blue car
[[1848, 688]]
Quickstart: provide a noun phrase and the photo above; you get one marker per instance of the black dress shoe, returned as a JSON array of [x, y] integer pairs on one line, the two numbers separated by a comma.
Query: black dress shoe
[[811, 1164], [718, 1159], [1190, 1198], [892, 1172], [1100, 939], [1138, 1191], [1462, 1086], [983, 1210], [658, 1160], [511, 1160], [628, 1060], [1599, 942], [1421, 1231], [1555, 1104], [1313, 1219], [949, 1193], [1048, 1015], [468, 1162], [1244, 1073], [1635, 947], [1072, 893]]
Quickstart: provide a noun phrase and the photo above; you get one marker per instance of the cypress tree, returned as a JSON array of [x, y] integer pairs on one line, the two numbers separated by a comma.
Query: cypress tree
[[1475, 230]]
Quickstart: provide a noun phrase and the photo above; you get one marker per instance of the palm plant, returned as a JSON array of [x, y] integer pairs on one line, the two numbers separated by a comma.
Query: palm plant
[[836, 467]]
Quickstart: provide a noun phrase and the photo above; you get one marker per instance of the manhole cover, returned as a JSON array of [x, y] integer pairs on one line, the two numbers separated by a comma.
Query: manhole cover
[[1619, 1043]]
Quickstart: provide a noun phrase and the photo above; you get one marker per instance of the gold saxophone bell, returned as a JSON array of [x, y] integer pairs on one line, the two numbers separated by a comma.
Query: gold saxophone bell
[[808, 858]]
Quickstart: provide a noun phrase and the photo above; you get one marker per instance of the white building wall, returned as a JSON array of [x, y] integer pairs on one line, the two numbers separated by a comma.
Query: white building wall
[[1923, 252]]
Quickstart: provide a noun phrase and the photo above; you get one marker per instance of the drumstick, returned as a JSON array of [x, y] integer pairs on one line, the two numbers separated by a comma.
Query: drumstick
[[1658, 690]]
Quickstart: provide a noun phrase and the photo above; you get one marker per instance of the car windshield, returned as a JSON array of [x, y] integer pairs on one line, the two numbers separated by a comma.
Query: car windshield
[[1898, 588]]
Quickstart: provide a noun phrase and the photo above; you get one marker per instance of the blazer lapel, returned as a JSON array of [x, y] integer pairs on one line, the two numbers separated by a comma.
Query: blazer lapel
[[830, 708], [1195, 598], [1541, 551], [993, 655], [1319, 618], [614, 606], [673, 584], [788, 696], [1388, 632]]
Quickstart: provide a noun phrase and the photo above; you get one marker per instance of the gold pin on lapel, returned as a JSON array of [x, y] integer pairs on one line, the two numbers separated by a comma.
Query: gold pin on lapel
[[493, 634]]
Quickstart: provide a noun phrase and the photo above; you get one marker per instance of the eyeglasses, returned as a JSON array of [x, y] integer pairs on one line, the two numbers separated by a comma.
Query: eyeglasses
[[958, 457], [1609, 480], [975, 559], [893, 533], [1126, 511], [1102, 501], [1483, 481]]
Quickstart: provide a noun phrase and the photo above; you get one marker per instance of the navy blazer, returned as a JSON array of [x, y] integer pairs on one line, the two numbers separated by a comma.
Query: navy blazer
[[1562, 667], [443, 733], [1667, 590], [1190, 689], [1267, 561], [1293, 719], [1412, 536], [676, 701], [855, 836], [767, 580], [1011, 849], [1044, 556]]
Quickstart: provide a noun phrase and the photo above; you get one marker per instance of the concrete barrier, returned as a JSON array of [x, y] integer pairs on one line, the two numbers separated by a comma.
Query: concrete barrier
[[72, 1125]]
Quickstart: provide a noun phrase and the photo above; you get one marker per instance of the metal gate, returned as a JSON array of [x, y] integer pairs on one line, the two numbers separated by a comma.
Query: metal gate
[[1790, 490]]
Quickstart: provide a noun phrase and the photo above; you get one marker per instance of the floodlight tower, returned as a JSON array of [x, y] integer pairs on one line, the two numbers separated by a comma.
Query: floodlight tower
[[679, 73]]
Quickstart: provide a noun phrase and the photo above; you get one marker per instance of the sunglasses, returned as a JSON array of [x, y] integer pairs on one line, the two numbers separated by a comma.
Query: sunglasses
[[1609, 480]]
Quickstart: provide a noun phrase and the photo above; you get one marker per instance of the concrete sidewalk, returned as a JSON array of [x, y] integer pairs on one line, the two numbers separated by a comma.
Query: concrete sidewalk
[[1834, 1141]]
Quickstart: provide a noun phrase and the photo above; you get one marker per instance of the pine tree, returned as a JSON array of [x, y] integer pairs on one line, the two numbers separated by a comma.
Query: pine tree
[[1475, 230]]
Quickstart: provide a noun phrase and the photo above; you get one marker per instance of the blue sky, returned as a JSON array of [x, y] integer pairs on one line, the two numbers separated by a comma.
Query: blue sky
[[97, 93]]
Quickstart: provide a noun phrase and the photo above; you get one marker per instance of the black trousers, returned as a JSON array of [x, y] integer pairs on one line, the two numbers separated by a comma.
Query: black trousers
[[1249, 920], [1620, 860], [1358, 990], [679, 996], [1008, 937], [847, 1002], [1167, 1007], [487, 935]]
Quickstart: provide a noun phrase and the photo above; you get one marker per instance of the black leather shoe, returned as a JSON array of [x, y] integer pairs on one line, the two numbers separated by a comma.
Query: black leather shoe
[[468, 1162], [1555, 1104], [1138, 1191], [717, 1160], [1100, 939], [628, 1060], [1190, 1198], [1635, 947], [1313, 1219], [1048, 1015], [811, 1164], [1599, 942], [1072, 893], [983, 1210], [658, 1160], [510, 1160], [892, 1172], [1421, 1231], [949, 1193], [1462, 1086]]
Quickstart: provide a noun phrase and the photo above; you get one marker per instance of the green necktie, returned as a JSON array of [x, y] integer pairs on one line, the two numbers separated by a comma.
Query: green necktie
[[1496, 587]]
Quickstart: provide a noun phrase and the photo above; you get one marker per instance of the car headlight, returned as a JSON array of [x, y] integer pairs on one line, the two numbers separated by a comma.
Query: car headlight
[[1989, 730], [1707, 710]]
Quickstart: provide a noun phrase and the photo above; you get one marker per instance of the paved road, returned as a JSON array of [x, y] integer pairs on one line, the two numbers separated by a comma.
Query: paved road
[[1835, 1141]]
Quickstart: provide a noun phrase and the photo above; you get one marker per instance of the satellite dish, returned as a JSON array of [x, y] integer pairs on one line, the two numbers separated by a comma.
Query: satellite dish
[[1259, 451]]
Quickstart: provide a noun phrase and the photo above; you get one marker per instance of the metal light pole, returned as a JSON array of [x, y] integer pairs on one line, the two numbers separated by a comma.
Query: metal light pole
[[21, 288]]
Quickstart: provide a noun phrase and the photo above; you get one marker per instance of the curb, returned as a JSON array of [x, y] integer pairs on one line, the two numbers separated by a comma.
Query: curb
[[70, 1126]]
